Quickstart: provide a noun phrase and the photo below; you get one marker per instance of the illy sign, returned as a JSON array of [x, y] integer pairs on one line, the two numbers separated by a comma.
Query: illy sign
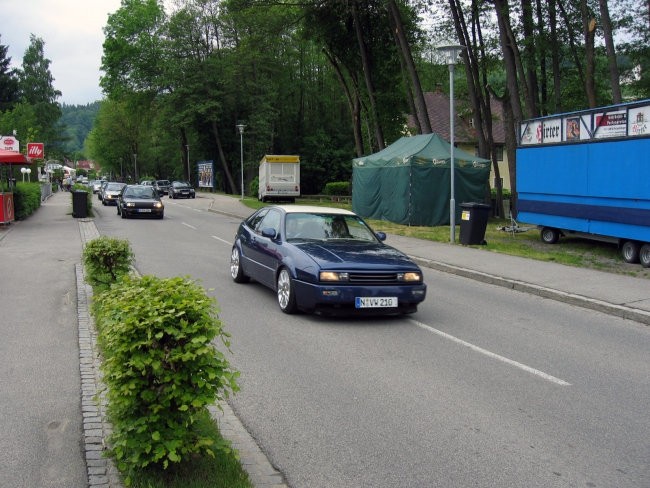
[[35, 150]]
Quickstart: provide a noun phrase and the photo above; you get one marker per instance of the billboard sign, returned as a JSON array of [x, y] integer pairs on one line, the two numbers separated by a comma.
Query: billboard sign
[[205, 170]]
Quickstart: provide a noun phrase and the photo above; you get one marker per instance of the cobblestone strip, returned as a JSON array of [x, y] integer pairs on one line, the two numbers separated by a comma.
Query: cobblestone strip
[[102, 473]]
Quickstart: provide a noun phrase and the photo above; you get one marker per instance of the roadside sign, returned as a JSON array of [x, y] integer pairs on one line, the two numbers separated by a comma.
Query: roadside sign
[[35, 150], [9, 143]]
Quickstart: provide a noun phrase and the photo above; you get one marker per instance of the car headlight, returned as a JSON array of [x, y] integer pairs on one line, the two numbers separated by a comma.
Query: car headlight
[[130, 204], [333, 276], [158, 205], [411, 276]]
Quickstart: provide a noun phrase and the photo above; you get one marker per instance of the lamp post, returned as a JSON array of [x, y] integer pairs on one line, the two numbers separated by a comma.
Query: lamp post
[[25, 171], [240, 128], [189, 177], [450, 54]]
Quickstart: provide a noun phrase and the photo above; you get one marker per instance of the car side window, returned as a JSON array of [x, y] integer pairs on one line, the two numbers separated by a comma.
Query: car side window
[[271, 220], [256, 218]]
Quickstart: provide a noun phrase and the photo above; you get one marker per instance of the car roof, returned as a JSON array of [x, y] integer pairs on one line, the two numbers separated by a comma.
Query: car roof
[[313, 209]]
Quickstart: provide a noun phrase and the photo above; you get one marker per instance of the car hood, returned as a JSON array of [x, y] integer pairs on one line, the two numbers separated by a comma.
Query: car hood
[[347, 254]]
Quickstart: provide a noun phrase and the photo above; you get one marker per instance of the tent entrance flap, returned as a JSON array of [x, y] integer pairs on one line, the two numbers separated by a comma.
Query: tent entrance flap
[[409, 181]]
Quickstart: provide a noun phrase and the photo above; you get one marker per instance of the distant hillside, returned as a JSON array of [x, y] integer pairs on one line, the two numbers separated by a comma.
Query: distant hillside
[[78, 121]]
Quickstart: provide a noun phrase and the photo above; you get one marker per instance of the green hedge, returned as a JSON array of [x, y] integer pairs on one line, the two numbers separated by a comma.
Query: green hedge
[[161, 368], [27, 199], [106, 260], [337, 188]]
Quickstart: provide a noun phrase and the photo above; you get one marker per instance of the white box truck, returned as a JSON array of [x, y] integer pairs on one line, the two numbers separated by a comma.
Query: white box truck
[[279, 178]]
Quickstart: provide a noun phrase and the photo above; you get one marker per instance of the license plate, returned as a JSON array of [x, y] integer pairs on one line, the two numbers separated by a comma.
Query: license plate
[[144, 210], [375, 302]]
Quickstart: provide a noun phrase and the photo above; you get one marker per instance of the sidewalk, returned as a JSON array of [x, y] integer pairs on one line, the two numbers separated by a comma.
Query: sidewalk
[[619, 295]]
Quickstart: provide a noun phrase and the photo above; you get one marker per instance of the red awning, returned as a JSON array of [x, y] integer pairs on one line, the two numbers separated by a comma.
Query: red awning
[[13, 157]]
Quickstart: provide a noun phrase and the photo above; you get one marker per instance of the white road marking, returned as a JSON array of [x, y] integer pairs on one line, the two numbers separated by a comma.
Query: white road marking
[[492, 355], [221, 240], [188, 225]]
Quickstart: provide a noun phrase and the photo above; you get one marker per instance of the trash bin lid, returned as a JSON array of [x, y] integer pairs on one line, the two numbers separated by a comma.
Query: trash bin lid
[[474, 205]]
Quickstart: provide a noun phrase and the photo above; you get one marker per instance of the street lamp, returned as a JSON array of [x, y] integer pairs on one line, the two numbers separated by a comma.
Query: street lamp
[[450, 55], [189, 177], [240, 128], [25, 171]]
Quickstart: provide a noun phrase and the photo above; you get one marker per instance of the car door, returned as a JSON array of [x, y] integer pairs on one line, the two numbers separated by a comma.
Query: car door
[[264, 248], [247, 239]]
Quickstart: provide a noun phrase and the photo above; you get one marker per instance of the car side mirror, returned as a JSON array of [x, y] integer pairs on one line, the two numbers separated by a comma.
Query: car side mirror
[[269, 232], [381, 236]]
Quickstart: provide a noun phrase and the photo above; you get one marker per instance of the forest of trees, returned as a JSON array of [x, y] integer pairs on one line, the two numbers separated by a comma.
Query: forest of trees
[[334, 79]]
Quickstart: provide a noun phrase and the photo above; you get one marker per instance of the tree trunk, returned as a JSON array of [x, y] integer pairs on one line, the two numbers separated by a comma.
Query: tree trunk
[[509, 58], [589, 33], [222, 158], [555, 57], [530, 59], [354, 104], [367, 72], [407, 57], [614, 78]]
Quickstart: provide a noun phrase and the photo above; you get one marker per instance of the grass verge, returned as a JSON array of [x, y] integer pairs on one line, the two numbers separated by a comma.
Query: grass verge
[[222, 471]]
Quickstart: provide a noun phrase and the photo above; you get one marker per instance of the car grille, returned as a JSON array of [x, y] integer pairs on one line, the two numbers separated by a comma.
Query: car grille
[[373, 278]]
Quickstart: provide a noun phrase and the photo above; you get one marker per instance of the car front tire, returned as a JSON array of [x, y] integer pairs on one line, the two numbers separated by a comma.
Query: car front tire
[[236, 269], [286, 293]]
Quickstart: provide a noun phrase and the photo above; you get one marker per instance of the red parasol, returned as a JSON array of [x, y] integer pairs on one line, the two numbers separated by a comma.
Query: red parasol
[[12, 157]]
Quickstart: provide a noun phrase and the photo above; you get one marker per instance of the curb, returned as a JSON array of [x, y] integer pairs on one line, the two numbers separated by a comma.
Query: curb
[[571, 298]]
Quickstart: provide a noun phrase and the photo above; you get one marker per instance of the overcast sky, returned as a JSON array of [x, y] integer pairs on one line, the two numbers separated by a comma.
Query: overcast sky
[[72, 31]]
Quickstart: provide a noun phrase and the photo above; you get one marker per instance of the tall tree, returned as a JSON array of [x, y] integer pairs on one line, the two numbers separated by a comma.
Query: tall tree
[[614, 77], [8, 81], [36, 89]]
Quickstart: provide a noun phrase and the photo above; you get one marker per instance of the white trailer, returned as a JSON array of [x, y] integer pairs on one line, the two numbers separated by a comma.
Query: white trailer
[[279, 178]]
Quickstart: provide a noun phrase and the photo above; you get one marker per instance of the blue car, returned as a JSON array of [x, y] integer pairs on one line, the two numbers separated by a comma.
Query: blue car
[[325, 260]]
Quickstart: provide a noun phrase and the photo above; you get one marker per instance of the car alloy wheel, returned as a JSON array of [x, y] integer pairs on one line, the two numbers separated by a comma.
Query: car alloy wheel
[[286, 294], [236, 270]]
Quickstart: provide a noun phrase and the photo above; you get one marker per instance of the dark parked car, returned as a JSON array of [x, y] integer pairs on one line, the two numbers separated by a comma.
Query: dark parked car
[[110, 193], [140, 201], [181, 189], [161, 186], [325, 260]]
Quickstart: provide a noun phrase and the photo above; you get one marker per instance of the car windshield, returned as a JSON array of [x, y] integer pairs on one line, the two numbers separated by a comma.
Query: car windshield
[[139, 192], [324, 226], [114, 186]]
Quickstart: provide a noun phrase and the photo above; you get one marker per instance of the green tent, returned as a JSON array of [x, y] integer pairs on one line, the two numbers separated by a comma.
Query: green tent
[[409, 181]]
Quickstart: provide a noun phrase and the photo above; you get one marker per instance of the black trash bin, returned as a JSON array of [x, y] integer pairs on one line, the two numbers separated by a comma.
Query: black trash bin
[[473, 222], [79, 204]]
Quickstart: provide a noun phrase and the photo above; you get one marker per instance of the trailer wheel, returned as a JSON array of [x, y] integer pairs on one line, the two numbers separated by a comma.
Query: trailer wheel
[[644, 255], [550, 235], [630, 251]]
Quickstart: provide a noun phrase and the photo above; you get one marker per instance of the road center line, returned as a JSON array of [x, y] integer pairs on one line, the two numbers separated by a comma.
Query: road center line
[[188, 225], [221, 240], [492, 355]]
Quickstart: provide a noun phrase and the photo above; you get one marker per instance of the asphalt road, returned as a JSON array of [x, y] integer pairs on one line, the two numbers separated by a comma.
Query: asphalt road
[[484, 386]]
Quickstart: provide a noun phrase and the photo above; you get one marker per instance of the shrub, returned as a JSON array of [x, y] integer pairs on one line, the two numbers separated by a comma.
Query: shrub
[[337, 188], [106, 260], [161, 368], [27, 199], [254, 187]]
